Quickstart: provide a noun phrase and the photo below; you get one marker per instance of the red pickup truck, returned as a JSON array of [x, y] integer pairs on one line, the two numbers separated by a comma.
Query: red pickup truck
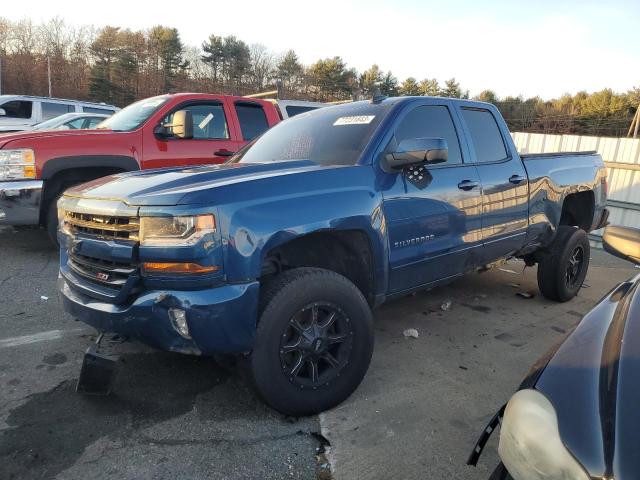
[[164, 131]]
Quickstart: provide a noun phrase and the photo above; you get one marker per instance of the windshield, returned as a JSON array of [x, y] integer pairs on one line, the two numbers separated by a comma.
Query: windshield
[[328, 136], [54, 122], [131, 117]]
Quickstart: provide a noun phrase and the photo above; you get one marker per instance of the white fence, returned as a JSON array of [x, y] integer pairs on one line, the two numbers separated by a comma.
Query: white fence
[[621, 156]]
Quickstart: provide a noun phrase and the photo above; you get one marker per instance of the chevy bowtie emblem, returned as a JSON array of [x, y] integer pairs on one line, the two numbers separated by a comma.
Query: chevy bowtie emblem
[[102, 276]]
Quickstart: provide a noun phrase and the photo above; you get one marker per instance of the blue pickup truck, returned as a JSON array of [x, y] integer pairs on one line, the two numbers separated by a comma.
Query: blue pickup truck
[[282, 252]]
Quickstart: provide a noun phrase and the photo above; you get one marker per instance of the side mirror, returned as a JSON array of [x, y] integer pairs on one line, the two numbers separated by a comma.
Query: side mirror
[[414, 151], [623, 242], [3, 112], [181, 125]]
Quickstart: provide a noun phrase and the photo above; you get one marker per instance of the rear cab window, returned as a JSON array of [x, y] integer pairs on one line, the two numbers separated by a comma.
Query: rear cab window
[[293, 110], [104, 111], [485, 135], [18, 109], [252, 118]]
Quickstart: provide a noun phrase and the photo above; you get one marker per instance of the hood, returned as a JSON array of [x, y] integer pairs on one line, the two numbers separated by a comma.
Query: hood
[[182, 186], [27, 135], [593, 381]]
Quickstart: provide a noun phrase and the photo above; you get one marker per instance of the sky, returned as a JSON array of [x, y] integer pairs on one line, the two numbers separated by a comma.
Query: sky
[[536, 47]]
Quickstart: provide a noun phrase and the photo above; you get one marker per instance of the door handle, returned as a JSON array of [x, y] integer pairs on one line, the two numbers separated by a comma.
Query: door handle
[[468, 184], [516, 179], [224, 153]]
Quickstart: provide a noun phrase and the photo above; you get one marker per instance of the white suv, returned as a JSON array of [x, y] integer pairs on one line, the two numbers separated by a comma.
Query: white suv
[[19, 112]]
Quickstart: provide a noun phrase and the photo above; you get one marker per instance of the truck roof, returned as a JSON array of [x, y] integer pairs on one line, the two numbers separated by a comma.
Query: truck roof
[[35, 97]]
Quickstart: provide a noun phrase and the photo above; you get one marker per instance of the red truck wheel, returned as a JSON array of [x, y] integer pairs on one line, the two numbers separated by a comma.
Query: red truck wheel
[[314, 341]]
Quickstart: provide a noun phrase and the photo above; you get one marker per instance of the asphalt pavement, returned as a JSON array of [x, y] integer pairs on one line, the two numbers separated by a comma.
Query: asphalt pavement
[[416, 415]]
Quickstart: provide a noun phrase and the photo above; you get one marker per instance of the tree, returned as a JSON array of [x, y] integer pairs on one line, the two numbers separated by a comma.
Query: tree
[[237, 61], [289, 70], [452, 89], [331, 78], [165, 48], [389, 85], [261, 66], [213, 56], [488, 96], [104, 50], [410, 87], [429, 87], [370, 80]]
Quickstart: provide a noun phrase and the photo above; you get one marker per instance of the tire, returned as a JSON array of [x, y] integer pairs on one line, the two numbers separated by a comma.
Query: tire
[[288, 341], [51, 222], [562, 272]]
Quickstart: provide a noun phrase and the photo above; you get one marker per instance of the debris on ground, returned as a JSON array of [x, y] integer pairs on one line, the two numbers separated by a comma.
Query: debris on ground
[[42, 297], [410, 332], [526, 295], [513, 285], [462, 367], [508, 270], [586, 285], [445, 306]]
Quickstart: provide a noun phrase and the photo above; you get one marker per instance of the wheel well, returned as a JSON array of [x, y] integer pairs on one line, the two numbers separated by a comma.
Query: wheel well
[[67, 178], [578, 209], [345, 252]]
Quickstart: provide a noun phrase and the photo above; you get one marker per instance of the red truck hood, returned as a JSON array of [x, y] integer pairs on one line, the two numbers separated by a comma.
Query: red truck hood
[[10, 137]]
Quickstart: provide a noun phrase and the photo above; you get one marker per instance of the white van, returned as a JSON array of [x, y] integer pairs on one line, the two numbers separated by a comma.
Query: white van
[[19, 112]]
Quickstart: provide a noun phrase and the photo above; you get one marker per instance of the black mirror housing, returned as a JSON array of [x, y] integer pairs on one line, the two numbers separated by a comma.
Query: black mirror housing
[[413, 151], [181, 125], [623, 242]]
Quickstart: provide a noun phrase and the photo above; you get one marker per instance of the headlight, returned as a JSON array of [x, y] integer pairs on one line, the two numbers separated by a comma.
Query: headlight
[[530, 444], [17, 164], [175, 231]]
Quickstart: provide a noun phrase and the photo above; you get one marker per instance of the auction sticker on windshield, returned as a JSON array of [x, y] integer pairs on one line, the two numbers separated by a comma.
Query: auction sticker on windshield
[[355, 120]]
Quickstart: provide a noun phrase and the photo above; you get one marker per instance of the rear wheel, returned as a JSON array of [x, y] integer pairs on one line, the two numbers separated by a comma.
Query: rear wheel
[[313, 342], [562, 272]]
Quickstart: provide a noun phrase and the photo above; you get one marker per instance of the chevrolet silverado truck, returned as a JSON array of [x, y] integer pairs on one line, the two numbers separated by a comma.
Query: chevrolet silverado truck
[[281, 253], [169, 130]]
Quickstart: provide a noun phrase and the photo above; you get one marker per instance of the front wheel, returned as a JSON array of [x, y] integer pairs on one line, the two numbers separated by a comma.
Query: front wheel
[[314, 341], [562, 272]]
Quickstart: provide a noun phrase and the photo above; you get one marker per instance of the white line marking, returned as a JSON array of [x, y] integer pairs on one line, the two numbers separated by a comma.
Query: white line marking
[[35, 338]]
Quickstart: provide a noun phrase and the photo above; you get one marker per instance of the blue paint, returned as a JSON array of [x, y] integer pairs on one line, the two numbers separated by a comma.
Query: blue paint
[[418, 237]]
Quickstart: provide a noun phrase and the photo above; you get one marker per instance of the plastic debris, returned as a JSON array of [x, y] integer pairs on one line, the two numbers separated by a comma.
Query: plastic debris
[[445, 306], [586, 285], [508, 270], [526, 295], [410, 332], [42, 297]]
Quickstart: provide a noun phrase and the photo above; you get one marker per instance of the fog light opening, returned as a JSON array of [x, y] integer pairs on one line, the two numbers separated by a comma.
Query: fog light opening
[[178, 319]]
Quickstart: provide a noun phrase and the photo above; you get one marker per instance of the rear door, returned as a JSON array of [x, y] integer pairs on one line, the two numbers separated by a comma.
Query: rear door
[[433, 217], [505, 187], [214, 137]]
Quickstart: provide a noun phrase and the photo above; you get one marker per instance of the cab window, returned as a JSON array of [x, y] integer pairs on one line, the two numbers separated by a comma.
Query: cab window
[[431, 121], [485, 135], [18, 109], [209, 121], [51, 110], [252, 119]]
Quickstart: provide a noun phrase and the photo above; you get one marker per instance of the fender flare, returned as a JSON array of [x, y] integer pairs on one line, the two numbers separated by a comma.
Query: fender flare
[[56, 165]]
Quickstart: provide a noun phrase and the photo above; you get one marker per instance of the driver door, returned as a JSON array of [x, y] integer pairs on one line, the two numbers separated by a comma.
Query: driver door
[[433, 220], [214, 138]]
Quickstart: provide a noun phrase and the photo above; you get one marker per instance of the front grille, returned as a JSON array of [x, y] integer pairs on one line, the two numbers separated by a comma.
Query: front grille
[[103, 226], [103, 272]]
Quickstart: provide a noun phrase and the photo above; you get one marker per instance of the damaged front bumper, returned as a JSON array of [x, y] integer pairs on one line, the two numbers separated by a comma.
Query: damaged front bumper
[[220, 320]]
